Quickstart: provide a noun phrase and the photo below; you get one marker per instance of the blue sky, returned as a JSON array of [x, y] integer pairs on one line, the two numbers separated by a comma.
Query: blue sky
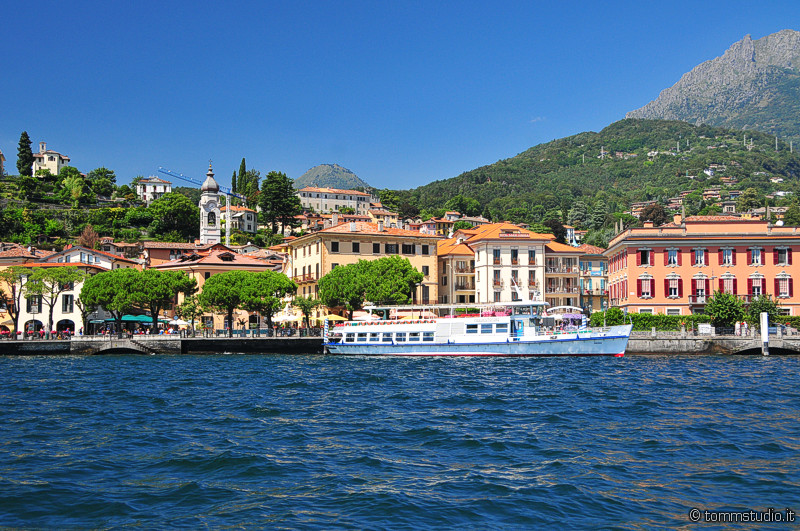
[[401, 93]]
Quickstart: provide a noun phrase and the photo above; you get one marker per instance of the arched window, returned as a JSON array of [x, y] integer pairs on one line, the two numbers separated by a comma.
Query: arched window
[[212, 219]]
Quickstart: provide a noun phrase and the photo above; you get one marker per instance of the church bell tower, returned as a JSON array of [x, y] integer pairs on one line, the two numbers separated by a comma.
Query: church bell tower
[[210, 218]]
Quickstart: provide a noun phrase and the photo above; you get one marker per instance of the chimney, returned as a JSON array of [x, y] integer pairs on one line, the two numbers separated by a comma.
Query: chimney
[[380, 226], [676, 219], [648, 225], [353, 226], [334, 219], [42, 147]]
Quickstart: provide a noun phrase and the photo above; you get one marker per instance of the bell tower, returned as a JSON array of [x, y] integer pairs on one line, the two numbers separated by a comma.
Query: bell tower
[[210, 218]]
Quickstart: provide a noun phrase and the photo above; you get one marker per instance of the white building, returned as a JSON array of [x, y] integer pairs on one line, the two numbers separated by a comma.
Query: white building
[[241, 218], [326, 200], [66, 314], [47, 159], [152, 188], [210, 213]]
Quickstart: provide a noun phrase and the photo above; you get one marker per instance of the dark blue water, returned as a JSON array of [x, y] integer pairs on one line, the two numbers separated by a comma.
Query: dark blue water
[[337, 442]]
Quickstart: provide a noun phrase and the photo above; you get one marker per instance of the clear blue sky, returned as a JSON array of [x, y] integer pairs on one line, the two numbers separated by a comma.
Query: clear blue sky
[[401, 93]]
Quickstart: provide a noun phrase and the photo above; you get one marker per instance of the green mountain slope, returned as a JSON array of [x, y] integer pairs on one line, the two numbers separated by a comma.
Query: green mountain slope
[[330, 176], [551, 178]]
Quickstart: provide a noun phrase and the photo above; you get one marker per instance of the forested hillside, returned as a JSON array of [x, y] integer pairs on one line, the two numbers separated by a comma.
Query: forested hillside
[[604, 173]]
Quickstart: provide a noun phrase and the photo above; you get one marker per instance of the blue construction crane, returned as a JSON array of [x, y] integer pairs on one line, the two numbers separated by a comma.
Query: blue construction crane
[[224, 189]]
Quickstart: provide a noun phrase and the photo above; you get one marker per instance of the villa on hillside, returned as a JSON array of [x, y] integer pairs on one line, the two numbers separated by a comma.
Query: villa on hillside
[[47, 159]]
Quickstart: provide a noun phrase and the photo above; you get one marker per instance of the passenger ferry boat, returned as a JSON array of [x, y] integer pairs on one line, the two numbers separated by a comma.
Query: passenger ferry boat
[[520, 328]]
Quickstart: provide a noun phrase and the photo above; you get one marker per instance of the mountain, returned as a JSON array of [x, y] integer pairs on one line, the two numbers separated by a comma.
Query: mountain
[[330, 176], [630, 160], [754, 85]]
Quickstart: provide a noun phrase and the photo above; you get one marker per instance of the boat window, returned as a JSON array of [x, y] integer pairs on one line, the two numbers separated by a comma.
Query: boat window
[[362, 336], [486, 328], [374, 336], [413, 336], [387, 337], [501, 328], [349, 338], [472, 329], [400, 336], [427, 336]]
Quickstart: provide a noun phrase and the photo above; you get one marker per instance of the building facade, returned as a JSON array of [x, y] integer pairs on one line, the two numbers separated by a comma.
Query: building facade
[[327, 200], [562, 271], [673, 269], [594, 279], [48, 159], [241, 218], [152, 188], [312, 256], [210, 211]]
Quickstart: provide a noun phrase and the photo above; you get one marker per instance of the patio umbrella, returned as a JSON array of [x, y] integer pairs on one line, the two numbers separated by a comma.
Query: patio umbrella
[[7, 322], [333, 317], [179, 322]]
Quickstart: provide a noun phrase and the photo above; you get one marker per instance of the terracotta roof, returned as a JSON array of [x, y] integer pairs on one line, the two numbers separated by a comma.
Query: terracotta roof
[[237, 208], [331, 191], [452, 247], [61, 264], [173, 245], [591, 249], [215, 258], [556, 247], [363, 227], [154, 179], [493, 231], [110, 255], [23, 252]]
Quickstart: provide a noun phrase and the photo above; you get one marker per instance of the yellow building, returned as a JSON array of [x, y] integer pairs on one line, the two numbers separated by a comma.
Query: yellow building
[[314, 255]]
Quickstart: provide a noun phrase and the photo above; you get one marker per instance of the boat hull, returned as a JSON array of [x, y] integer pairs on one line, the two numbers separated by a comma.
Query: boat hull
[[613, 343]]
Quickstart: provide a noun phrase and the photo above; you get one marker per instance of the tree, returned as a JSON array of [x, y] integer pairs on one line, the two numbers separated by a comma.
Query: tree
[[25, 156], [173, 213], [578, 214], [461, 224], [102, 187], [16, 278], [598, 215], [764, 303], [88, 237], [101, 173], [50, 282], [749, 200], [114, 291], [558, 229], [725, 308], [224, 293], [190, 309], [85, 312], [263, 293], [74, 189], [345, 286], [157, 289], [306, 306], [466, 206], [654, 213], [792, 216], [392, 280], [278, 201]]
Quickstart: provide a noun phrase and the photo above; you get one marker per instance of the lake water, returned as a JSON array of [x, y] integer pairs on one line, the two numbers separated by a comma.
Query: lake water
[[338, 442]]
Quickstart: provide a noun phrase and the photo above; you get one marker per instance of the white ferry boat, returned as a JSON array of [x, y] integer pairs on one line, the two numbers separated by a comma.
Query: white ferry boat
[[509, 329]]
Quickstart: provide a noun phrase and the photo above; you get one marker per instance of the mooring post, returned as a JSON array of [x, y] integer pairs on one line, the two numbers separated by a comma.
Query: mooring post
[[764, 322]]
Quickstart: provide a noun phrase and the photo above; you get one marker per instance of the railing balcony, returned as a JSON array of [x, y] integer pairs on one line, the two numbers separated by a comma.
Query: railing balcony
[[562, 270], [496, 261], [309, 277], [533, 284], [466, 269], [497, 283], [697, 299], [465, 285], [515, 261]]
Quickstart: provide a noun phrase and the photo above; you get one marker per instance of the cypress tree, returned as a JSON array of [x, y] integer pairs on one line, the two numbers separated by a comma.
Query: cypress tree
[[233, 182], [25, 155]]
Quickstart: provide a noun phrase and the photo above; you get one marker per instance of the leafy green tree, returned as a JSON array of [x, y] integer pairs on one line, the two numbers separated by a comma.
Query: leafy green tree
[[306, 306], [224, 293], [792, 216], [558, 229], [263, 293], [393, 280], [157, 290], [73, 187], [578, 214], [190, 309], [173, 213], [16, 278], [725, 308], [85, 312], [101, 173], [278, 201], [25, 156], [346, 286], [598, 215], [467, 206], [764, 303], [461, 224], [49, 283], [749, 200], [102, 187], [112, 290], [29, 187]]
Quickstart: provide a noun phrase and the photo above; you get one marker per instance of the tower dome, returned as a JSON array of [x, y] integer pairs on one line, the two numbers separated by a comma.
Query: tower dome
[[210, 185]]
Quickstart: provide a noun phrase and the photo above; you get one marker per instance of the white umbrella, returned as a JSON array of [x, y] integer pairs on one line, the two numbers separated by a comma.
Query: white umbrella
[[179, 322]]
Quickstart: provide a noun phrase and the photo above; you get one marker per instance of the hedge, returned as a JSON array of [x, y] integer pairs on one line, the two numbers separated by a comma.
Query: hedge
[[646, 321]]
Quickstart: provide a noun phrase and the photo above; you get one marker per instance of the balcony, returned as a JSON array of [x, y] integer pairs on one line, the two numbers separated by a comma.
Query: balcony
[[496, 261], [465, 269], [497, 284], [562, 289], [515, 261], [562, 270], [309, 277], [464, 286], [697, 299], [596, 292], [533, 284]]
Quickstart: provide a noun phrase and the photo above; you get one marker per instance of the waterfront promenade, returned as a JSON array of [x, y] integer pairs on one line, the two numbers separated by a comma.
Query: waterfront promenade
[[640, 343]]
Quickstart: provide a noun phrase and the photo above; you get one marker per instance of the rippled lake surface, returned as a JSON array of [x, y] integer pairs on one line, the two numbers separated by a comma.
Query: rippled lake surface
[[340, 442]]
